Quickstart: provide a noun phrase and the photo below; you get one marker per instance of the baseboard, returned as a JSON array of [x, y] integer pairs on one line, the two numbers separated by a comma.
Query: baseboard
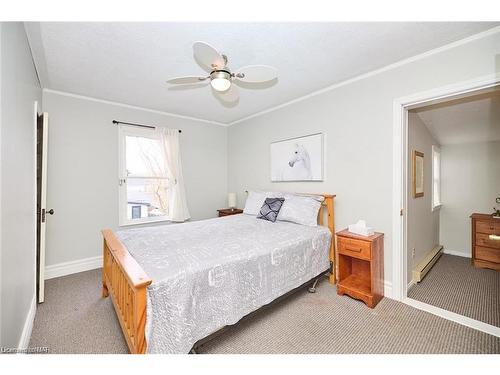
[[410, 284], [457, 253], [387, 289], [68, 268], [24, 341]]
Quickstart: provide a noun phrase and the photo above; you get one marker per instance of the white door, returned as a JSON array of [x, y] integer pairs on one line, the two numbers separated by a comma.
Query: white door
[[42, 132]]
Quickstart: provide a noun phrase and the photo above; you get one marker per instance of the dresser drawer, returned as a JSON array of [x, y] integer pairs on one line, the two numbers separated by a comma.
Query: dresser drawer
[[488, 227], [485, 240], [354, 248], [487, 253]]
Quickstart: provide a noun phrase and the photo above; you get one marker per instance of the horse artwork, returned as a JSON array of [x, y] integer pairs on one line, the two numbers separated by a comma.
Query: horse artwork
[[297, 159]]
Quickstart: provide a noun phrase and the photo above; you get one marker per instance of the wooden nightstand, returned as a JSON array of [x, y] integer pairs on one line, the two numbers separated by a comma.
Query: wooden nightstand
[[229, 211], [361, 266]]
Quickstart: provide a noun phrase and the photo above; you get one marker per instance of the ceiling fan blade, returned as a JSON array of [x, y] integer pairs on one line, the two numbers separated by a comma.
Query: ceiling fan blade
[[231, 95], [187, 79], [188, 86], [208, 56], [256, 73]]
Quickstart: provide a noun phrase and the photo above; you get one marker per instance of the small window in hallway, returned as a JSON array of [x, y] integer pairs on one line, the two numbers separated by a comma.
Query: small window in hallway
[[436, 177]]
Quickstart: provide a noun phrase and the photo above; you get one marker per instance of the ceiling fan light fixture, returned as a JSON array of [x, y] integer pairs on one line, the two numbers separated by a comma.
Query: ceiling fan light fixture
[[220, 80]]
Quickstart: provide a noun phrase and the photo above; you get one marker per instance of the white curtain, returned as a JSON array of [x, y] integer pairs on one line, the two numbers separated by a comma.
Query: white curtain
[[178, 209]]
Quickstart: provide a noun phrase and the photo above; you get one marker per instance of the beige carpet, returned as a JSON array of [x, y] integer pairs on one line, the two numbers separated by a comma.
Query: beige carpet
[[74, 319], [455, 285]]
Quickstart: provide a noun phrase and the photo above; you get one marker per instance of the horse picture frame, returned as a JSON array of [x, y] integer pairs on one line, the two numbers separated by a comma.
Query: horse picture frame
[[297, 159]]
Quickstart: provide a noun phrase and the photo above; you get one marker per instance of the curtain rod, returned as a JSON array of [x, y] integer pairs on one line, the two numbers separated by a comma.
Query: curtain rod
[[140, 125]]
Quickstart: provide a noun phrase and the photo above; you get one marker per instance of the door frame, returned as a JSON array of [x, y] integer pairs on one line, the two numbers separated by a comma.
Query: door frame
[[400, 191], [41, 220], [35, 196]]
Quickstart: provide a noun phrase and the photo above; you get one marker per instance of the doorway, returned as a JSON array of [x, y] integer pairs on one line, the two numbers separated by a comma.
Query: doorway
[[406, 245]]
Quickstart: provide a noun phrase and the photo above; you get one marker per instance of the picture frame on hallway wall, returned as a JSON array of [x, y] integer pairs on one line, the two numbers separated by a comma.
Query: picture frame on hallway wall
[[418, 174], [297, 159]]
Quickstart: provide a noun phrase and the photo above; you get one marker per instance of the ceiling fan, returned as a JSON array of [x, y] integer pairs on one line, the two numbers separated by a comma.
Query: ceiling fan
[[221, 78]]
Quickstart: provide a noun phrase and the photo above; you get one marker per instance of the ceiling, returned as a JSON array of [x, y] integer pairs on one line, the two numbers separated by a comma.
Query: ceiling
[[130, 62], [465, 120]]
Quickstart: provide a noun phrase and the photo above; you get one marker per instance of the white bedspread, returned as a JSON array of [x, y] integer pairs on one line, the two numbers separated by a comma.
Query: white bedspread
[[208, 274]]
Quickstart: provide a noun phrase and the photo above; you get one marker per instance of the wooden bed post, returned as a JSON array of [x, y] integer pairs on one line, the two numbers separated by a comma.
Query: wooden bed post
[[105, 292], [140, 320], [126, 282], [331, 225]]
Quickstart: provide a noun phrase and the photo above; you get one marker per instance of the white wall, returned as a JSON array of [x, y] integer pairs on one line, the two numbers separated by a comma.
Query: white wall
[[423, 223], [358, 121], [470, 183], [83, 170], [19, 91]]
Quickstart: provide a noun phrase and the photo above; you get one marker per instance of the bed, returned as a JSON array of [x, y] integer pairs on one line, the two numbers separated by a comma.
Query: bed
[[173, 285]]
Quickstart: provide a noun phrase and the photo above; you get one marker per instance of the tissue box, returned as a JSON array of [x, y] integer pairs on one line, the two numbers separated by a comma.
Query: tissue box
[[362, 230]]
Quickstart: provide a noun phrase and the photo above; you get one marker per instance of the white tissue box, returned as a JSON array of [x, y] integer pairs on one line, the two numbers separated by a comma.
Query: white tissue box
[[361, 229]]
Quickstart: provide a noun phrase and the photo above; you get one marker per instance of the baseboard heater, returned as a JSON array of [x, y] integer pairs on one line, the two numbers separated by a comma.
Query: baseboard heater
[[426, 264]]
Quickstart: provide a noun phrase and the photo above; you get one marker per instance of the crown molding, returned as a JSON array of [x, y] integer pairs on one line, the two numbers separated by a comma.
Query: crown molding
[[110, 102], [372, 73]]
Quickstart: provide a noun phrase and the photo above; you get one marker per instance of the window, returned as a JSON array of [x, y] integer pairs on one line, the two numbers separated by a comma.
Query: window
[[436, 178], [143, 177]]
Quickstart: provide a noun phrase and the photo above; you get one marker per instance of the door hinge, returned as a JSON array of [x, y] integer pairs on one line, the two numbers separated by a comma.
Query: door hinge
[[401, 212], [43, 215], [331, 268]]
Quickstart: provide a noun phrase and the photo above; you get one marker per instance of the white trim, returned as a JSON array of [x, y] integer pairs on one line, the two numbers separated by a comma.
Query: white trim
[[400, 149], [68, 268], [399, 152], [457, 253], [35, 184], [64, 93], [387, 289], [24, 340], [437, 207], [460, 319], [1, 251], [386, 68]]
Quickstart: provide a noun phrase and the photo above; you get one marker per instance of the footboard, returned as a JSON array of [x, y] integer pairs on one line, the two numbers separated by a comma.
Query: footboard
[[126, 282]]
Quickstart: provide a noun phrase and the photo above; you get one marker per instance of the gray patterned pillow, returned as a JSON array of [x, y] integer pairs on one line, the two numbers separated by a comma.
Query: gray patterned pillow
[[270, 209]]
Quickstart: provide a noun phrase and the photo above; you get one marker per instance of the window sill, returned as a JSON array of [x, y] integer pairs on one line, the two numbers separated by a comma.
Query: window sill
[[437, 207], [145, 222]]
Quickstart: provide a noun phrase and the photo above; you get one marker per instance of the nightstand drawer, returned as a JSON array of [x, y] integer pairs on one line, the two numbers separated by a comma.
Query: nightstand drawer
[[487, 241], [488, 254], [488, 227], [354, 248]]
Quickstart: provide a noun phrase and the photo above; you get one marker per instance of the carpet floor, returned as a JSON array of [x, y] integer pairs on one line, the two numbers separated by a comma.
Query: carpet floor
[[74, 319], [455, 285]]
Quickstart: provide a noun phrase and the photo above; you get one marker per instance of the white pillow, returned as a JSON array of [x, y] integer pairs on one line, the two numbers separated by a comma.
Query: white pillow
[[301, 209], [255, 200]]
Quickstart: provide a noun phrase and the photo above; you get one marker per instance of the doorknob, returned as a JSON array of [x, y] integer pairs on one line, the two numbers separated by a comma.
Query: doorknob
[[51, 211]]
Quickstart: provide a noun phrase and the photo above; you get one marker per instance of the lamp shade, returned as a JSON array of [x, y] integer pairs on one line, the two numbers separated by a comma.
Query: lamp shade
[[231, 200]]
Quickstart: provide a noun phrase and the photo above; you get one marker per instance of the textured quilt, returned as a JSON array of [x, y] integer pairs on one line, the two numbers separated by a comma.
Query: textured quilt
[[210, 273]]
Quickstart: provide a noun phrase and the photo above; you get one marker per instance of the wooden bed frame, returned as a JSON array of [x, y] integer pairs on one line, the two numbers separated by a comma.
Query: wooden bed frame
[[125, 281]]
